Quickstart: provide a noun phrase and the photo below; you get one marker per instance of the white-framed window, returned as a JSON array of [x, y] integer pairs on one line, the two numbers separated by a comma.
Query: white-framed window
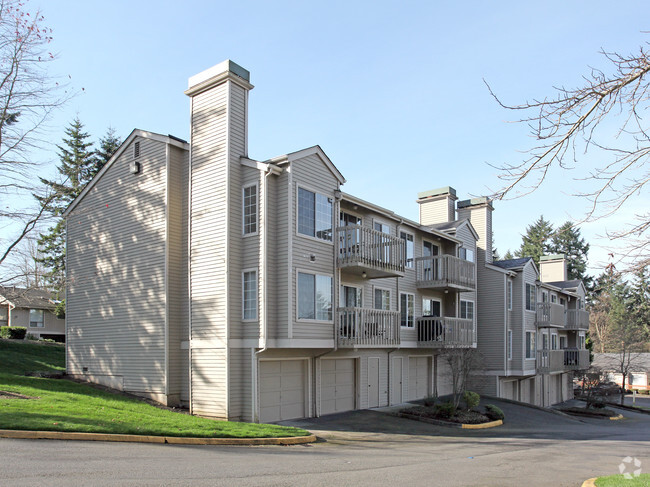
[[509, 344], [381, 227], [530, 297], [530, 344], [314, 297], [544, 297], [249, 295], [351, 297], [347, 219], [582, 342], [467, 309], [407, 309], [36, 317], [250, 209], [554, 341], [431, 307], [409, 249], [553, 298], [544, 341], [314, 214], [580, 304], [562, 343], [382, 299], [562, 301], [466, 254], [429, 249], [509, 294]]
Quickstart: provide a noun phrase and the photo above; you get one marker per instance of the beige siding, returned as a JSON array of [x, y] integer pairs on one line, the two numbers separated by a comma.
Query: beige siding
[[209, 378], [491, 319], [51, 324], [279, 327], [241, 385], [116, 274]]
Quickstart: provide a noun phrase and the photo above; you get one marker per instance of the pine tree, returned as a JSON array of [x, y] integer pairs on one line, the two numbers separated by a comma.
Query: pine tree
[[568, 241], [536, 241], [640, 302], [509, 255], [107, 147]]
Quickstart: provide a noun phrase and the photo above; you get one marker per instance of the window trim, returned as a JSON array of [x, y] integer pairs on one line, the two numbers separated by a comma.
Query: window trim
[[460, 309], [406, 266], [297, 299], [509, 293], [407, 317], [42, 323], [509, 345], [554, 341], [257, 209], [383, 222], [357, 287], [527, 294], [433, 244], [461, 248], [243, 295], [297, 215], [533, 347], [378, 288], [437, 300], [351, 213]]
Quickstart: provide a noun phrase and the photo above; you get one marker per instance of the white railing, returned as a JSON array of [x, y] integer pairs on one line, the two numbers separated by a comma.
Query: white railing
[[367, 327], [549, 361], [437, 332], [362, 245], [550, 314], [444, 271], [577, 319]]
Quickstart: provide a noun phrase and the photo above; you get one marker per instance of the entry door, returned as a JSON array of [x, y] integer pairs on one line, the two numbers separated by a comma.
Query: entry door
[[373, 382], [396, 381]]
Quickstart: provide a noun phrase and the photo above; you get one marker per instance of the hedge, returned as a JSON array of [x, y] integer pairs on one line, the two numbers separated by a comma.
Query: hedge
[[13, 332]]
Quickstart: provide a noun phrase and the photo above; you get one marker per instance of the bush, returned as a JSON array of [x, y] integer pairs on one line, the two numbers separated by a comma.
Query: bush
[[494, 413], [472, 399], [598, 404], [13, 332], [430, 400], [445, 410], [31, 337]]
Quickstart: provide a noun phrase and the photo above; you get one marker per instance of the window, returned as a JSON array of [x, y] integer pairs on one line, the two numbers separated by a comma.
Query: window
[[509, 295], [562, 343], [347, 219], [250, 209], [382, 227], [582, 342], [382, 299], [36, 318], [553, 298], [430, 267], [249, 295], [407, 309], [509, 344], [544, 341], [431, 307], [580, 303], [467, 309], [530, 297], [314, 297], [314, 215], [544, 297], [351, 297], [554, 341], [466, 254], [562, 301], [530, 344], [409, 248]]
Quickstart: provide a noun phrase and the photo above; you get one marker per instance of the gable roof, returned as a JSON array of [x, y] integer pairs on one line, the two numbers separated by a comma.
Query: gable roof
[[19, 297], [166, 139], [454, 226], [314, 150], [566, 284], [512, 263]]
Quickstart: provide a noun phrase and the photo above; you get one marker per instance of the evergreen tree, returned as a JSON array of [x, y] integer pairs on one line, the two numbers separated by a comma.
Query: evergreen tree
[[107, 147], [640, 302], [568, 241], [536, 241], [509, 255]]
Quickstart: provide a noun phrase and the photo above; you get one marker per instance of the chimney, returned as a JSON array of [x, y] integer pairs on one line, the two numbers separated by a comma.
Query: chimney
[[437, 206], [552, 268], [479, 212]]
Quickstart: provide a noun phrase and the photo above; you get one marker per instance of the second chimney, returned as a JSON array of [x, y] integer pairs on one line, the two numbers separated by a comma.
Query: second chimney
[[437, 206]]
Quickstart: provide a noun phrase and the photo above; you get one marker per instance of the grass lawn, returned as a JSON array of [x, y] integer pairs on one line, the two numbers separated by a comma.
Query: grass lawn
[[63, 405], [619, 481]]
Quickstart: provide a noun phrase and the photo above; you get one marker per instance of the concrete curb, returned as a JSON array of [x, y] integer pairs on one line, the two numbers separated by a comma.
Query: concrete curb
[[617, 417], [482, 426], [525, 404], [173, 440], [448, 424], [590, 482]]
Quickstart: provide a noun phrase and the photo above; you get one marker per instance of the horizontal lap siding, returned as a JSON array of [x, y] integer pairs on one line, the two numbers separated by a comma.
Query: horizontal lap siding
[[209, 379], [241, 392], [279, 247], [116, 280], [529, 276], [490, 322]]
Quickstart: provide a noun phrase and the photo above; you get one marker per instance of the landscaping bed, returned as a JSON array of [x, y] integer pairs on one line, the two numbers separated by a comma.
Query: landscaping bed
[[590, 412], [449, 413]]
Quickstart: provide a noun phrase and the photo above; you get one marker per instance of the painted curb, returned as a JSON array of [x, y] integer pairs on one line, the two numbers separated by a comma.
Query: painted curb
[[448, 424], [617, 417], [173, 440], [482, 426], [590, 482]]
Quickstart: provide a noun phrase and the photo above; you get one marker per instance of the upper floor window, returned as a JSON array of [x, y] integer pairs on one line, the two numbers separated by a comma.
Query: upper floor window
[[409, 248], [36, 318], [582, 344], [544, 297], [349, 219], [431, 307], [530, 344], [429, 249], [509, 294], [351, 297], [382, 227], [250, 209], [509, 344], [249, 295], [530, 297], [562, 343], [562, 301], [314, 297], [466, 254], [407, 309], [553, 298], [382, 299], [314, 215], [554, 341], [467, 310]]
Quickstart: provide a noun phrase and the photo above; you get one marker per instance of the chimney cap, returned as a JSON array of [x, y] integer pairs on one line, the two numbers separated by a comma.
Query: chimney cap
[[437, 192], [482, 200], [216, 73], [545, 258]]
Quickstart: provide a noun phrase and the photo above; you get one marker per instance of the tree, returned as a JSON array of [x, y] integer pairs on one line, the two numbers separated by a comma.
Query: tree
[[536, 241], [28, 95], [580, 119], [462, 363], [609, 294], [108, 145], [509, 255], [640, 302], [568, 241]]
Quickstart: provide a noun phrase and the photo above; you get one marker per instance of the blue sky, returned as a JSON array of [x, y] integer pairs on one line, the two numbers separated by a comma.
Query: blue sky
[[392, 91]]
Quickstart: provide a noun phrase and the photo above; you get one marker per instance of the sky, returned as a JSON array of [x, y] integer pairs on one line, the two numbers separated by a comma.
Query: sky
[[393, 92]]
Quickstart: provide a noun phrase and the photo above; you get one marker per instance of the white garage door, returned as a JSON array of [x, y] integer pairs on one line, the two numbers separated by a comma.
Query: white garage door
[[419, 377], [282, 390], [337, 386]]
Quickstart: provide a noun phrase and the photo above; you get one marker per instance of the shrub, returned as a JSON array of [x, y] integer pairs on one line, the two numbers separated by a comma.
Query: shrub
[[445, 410], [598, 404], [472, 399], [430, 400], [31, 337], [13, 332], [494, 413]]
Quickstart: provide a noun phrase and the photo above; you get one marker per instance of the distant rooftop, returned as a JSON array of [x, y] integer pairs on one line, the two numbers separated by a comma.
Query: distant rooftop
[[511, 263], [566, 284], [27, 298]]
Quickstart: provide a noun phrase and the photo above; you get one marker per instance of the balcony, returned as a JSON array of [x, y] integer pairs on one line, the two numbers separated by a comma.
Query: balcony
[[434, 332], [577, 319], [445, 272], [362, 327], [550, 314], [550, 361], [368, 253]]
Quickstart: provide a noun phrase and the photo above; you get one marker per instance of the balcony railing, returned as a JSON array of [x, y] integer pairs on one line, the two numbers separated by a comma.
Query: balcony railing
[[363, 327], [445, 272], [434, 332], [549, 361], [550, 314], [577, 319], [364, 250]]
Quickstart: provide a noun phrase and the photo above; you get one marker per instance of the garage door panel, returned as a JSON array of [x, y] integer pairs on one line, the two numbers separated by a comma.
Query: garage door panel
[[282, 390], [418, 377], [337, 386]]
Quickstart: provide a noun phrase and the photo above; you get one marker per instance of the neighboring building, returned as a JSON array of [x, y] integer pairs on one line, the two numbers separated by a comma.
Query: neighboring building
[[639, 369], [32, 309]]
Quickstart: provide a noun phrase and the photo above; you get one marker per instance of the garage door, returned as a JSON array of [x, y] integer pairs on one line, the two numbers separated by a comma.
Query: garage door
[[337, 386], [282, 390], [419, 377]]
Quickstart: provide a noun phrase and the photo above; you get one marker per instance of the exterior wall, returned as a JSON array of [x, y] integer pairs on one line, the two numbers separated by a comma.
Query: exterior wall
[[553, 270], [491, 319], [439, 209], [529, 276], [116, 261], [51, 324]]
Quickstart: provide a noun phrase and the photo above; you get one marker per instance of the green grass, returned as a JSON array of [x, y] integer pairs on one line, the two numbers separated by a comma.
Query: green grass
[[63, 405], [619, 481]]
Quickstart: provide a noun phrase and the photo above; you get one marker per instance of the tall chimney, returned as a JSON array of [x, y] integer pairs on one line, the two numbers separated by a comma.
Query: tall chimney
[[553, 268], [479, 212], [437, 206]]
